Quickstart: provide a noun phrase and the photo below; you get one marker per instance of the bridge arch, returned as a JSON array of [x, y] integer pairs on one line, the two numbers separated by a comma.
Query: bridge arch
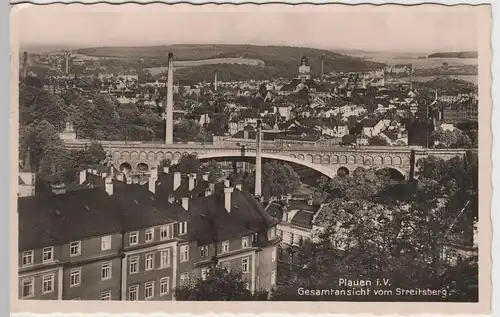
[[317, 167], [342, 171], [142, 167], [125, 167], [394, 172]]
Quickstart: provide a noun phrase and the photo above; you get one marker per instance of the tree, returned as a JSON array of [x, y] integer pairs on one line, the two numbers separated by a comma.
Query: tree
[[165, 163], [219, 285], [187, 130], [188, 164], [214, 171], [365, 235], [89, 157], [277, 179], [348, 139], [377, 141]]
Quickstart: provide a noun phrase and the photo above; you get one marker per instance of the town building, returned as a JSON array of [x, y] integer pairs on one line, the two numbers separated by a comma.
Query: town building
[[114, 238]]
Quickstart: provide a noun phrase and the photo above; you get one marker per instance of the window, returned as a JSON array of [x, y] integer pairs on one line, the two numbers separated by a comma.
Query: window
[[165, 258], [247, 285], [48, 283], [225, 246], [184, 253], [291, 238], [134, 265], [48, 254], [105, 243], [273, 278], [150, 233], [132, 238], [272, 232], [165, 233], [244, 265], [74, 277], [204, 272], [149, 290], [75, 248], [184, 278], [258, 258], [149, 261], [164, 286], [133, 293], [28, 286], [183, 227], [244, 242], [27, 258], [106, 271], [204, 251], [255, 237], [273, 256], [106, 295]]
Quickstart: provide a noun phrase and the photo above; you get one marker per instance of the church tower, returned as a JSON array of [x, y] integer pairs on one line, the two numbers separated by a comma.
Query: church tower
[[304, 69], [26, 177]]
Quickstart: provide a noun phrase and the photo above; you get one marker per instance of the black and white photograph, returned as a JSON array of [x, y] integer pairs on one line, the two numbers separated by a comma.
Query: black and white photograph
[[251, 154]]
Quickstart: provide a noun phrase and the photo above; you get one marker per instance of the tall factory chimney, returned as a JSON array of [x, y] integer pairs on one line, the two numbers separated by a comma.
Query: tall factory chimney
[[258, 160], [215, 81], [25, 65], [169, 110], [322, 69], [411, 74], [66, 61]]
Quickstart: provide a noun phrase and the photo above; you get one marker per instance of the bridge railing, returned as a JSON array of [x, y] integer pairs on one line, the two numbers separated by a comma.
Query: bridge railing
[[250, 146]]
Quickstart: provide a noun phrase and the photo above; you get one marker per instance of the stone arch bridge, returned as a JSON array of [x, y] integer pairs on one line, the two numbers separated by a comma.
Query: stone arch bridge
[[139, 156]]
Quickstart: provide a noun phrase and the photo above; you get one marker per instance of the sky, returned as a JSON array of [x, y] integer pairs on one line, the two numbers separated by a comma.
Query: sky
[[427, 28]]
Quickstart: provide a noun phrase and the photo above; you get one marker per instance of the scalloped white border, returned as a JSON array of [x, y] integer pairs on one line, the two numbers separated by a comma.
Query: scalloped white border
[[495, 150]]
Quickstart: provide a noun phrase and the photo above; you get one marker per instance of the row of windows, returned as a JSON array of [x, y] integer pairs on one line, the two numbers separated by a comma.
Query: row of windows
[[75, 249], [245, 266], [149, 261], [149, 289], [28, 285]]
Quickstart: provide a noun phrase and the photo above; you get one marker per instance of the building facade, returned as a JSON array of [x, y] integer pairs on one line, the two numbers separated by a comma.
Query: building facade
[[119, 241]]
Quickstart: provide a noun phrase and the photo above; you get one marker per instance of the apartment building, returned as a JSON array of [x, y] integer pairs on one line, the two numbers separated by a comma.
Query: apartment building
[[119, 241]]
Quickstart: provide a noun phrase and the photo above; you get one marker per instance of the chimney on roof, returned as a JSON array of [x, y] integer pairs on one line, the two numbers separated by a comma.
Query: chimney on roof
[[208, 192], [227, 198], [227, 183], [109, 185], [205, 177], [177, 180], [82, 176], [192, 181], [103, 175], [166, 169], [152, 184], [185, 203], [238, 187], [310, 201], [94, 171], [154, 172]]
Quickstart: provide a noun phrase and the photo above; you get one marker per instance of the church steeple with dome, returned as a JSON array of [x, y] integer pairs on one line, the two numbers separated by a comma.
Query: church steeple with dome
[[304, 69]]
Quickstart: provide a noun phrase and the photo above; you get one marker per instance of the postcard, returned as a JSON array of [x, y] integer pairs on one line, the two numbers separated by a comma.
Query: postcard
[[311, 158]]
